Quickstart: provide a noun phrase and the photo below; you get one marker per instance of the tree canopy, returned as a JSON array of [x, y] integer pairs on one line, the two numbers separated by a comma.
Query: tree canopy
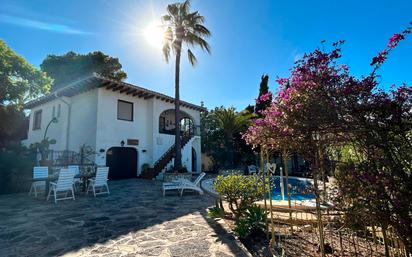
[[322, 109], [72, 66], [221, 136], [263, 90], [19, 80]]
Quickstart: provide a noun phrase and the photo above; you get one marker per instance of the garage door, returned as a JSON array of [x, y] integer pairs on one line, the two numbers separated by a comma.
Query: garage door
[[122, 162]]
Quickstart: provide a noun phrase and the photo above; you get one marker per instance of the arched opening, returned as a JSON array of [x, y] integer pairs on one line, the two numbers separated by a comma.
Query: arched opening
[[122, 162], [194, 160], [186, 126], [167, 123]]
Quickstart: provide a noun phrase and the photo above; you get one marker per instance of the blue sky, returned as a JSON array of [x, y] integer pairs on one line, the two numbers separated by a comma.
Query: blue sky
[[249, 38]]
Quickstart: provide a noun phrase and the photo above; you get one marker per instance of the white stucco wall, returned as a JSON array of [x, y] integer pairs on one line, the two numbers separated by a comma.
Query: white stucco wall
[[56, 131], [83, 119], [93, 121], [110, 131]]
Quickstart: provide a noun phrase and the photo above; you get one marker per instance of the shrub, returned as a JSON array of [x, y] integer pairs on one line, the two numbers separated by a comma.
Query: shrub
[[182, 169], [16, 165], [242, 228], [254, 222], [230, 172], [256, 218], [216, 212], [145, 167], [240, 192]]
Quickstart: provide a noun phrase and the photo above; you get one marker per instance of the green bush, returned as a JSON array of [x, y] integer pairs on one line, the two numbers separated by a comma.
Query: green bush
[[240, 192], [256, 218], [253, 222], [242, 228], [16, 167], [228, 172], [216, 212], [145, 167], [182, 169]]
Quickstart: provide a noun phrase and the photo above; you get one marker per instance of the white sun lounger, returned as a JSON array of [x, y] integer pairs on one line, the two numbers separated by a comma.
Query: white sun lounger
[[189, 185], [167, 186], [182, 184]]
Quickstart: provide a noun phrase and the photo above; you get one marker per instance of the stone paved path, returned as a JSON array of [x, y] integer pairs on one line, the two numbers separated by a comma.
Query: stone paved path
[[135, 220]]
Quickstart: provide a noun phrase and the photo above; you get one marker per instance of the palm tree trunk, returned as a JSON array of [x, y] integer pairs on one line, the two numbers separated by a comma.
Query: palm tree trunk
[[178, 153]]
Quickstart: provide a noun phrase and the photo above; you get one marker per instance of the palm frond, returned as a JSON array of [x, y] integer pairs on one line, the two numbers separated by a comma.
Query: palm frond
[[166, 18], [168, 35], [166, 51], [201, 30], [195, 40], [173, 10], [185, 7], [184, 26], [191, 57]]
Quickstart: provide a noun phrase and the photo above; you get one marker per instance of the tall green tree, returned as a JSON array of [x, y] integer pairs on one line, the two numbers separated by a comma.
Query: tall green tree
[[19, 82], [231, 123], [263, 90], [71, 66], [183, 28]]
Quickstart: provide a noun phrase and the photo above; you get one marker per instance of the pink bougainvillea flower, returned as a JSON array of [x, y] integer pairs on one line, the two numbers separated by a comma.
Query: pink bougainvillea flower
[[380, 58], [394, 40], [282, 81]]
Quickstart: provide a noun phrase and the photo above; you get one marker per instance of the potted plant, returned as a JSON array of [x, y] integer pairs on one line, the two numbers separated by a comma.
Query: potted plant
[[44, 148]]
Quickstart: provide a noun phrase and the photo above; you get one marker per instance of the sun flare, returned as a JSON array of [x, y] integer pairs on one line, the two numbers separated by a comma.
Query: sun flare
[[154, 34]]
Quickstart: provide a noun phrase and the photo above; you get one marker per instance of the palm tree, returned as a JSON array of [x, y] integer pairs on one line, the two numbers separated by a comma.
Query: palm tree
[[183, 27], [231, 123]]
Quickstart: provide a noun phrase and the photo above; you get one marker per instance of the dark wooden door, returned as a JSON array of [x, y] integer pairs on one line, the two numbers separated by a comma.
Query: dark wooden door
[[122, 162]]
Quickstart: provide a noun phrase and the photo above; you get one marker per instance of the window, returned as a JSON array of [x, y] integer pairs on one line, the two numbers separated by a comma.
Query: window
[[124, 110], [162, 124], [37, 120]]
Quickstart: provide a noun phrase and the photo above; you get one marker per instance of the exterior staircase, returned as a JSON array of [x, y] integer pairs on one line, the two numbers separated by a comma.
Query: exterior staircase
[[164, 160]]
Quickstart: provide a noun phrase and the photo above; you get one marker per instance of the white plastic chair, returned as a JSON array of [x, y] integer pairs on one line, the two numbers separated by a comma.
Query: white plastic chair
[[39, 173], [252, 169], [76, 169], [64, 184], [271, 168], [99, 182]]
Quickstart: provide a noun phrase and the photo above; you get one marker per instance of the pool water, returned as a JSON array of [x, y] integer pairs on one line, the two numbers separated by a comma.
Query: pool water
[[297, 190]]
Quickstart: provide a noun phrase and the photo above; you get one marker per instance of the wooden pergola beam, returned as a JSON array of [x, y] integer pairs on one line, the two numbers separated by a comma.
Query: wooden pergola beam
[[111, 85], [131, 91], [136, 93], [125, 89], [117, 87], [141, 94]]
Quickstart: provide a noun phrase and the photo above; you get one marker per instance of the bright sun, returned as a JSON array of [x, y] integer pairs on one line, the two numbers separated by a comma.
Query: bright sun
[[154, 34]]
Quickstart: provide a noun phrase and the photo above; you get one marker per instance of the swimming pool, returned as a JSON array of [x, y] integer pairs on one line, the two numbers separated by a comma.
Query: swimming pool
[[297, 188]]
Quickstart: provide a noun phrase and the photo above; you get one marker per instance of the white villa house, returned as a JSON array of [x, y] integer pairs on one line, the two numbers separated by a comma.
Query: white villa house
[[126, 125]]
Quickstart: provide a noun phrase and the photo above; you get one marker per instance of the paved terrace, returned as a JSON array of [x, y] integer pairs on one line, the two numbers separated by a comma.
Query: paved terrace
[[135, 220]]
